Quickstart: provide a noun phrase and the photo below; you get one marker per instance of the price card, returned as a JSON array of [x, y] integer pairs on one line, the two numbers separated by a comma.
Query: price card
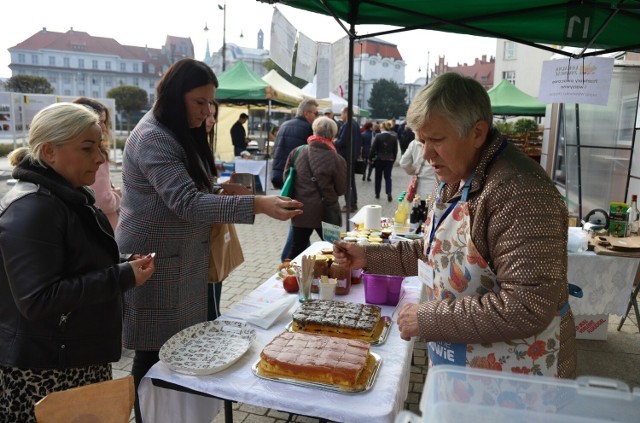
[[425, 273]]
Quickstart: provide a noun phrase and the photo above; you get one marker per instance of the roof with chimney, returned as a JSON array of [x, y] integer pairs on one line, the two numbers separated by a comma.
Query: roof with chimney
[[374, 46]]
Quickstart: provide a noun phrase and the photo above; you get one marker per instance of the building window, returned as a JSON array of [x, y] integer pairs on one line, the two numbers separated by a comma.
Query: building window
[[152, 68], [152, 84], [372, 62], [136, 82], [95, 94], [123, 67], [21, 58], [81, 92], [67, 92], [52, 60], [509, 76], [107, 65], [66, 78], [385, 65], [509, 50], [34, 59], [94, 81], [94, 64], [66, 62], [108, 81], [135, 67], [81, 63]]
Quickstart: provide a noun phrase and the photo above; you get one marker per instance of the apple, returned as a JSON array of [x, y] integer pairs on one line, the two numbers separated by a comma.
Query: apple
[[290, 283]]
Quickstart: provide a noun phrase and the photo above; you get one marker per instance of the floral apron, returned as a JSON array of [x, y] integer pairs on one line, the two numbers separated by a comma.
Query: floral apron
[[458, 271]]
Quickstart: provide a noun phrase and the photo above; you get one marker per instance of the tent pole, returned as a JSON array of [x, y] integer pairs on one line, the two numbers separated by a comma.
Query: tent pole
[[266, 156], [579, 162], [349, 129]]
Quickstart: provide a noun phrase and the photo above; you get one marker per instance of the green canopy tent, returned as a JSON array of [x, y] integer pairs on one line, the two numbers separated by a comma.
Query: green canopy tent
[[508, 100], [240, 85], [604, 25]]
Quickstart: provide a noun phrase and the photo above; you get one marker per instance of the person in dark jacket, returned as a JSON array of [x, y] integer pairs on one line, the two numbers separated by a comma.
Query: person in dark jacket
[[342, 145], [293, 133], [62, 275], [239, 135], [316, 159], [367, 139], [383, 154]]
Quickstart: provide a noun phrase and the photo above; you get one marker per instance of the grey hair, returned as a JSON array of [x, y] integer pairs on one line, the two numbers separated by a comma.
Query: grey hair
[[306, 106], [459, 99], [325, 127], [58, 124]]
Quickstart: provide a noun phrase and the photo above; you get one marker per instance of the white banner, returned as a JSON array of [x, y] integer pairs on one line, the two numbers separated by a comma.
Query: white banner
[[283, 39], [585, 81], [339, 64], [306, 57], [324, 70]]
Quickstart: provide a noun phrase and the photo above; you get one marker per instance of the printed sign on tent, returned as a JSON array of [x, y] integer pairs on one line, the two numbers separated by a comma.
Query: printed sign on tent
[[283, 39], [585, 81], [339, 62], [306, 57]]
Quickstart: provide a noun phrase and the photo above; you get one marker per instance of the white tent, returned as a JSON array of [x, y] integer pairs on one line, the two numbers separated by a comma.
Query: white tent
[[275, 80], [337, 102]]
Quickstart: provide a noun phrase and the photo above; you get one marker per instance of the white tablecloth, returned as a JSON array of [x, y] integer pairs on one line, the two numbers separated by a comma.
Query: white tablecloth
[[254, 167], [238, 383], [606, 282]]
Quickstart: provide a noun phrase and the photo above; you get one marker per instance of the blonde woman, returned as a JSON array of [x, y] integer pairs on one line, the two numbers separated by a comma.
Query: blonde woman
[[62, 278]]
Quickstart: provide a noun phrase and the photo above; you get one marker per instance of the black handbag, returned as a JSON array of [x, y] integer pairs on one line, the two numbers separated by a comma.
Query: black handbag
[[359, 167], [331, 212]]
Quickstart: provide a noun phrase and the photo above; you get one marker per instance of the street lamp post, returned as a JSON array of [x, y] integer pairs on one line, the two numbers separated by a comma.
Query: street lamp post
[[224, 34]]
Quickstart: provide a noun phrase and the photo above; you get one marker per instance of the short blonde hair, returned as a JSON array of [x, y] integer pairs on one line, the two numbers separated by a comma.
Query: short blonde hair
[[387, 125], [325, 127], [56, 124]]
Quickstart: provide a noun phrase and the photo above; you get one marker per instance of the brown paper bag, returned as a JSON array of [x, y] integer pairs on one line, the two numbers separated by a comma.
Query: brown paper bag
[[225, 252]]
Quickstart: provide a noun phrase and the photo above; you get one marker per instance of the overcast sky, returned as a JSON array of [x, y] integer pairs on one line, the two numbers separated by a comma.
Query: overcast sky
[[144, 22]]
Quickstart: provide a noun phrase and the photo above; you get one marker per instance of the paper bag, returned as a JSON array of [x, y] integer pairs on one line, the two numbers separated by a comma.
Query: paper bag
[[225, 252]]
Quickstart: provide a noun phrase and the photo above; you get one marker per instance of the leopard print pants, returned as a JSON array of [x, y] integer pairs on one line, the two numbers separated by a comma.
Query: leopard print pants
[[20, 389]]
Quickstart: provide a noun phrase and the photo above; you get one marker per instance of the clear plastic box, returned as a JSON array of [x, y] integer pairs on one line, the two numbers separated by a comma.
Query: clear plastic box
[[458, 394]]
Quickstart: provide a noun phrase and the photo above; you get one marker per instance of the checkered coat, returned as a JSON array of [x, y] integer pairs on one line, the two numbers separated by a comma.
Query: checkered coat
[[163, 211]]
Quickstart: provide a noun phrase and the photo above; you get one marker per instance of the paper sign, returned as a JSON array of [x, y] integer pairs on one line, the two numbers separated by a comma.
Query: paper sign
[[306, 58], [584, 81], [330, 232], [283, 39]]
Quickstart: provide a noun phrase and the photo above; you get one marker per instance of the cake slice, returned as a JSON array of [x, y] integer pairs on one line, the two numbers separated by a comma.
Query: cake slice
[[315, 358], [338, 318]]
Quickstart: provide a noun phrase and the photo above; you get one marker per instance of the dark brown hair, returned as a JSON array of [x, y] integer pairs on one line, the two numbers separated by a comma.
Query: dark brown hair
[[170, 110]]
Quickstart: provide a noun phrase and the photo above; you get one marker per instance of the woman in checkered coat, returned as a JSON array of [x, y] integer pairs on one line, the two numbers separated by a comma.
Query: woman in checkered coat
[[168, 206]]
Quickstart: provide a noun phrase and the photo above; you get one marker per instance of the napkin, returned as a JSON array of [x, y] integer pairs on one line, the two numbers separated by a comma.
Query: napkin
[[266, 316]]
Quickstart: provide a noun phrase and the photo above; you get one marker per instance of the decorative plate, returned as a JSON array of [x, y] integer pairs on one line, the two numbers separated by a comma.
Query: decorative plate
[[207, 347]]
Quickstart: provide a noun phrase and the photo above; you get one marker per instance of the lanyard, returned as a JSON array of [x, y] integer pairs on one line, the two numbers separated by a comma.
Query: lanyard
[[465, 194], [438, 221]]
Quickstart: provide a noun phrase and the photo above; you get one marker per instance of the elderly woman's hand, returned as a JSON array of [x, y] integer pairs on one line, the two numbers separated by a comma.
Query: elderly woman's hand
[[281, 208], [408, 321], [349, 254]]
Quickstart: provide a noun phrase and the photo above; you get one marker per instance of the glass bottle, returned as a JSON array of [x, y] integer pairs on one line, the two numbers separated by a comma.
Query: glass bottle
[[416, 214], [633, 216], [343, 277], [401, 215]]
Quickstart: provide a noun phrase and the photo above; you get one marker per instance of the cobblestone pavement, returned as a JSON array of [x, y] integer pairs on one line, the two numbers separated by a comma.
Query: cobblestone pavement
[[617, 358]]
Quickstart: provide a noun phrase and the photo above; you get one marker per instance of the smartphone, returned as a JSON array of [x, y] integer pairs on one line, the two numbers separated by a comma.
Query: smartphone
[[247, 180]]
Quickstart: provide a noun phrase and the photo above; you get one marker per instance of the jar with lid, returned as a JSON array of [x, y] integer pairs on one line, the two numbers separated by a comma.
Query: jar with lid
[[320, 268], [343, 277], [356, 276]]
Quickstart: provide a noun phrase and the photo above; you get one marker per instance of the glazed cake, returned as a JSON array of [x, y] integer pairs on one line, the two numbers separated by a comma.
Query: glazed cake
[[337, 318], [315, 358]]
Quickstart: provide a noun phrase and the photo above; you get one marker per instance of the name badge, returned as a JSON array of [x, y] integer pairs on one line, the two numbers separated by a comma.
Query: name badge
[[425, 273]]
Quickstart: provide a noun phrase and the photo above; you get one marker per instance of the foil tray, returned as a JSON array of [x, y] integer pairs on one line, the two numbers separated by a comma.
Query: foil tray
[[379, 338], [366, 383]]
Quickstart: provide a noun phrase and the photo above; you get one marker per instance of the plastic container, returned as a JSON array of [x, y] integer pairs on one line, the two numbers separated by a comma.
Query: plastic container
[[382, 289], [459, 394]]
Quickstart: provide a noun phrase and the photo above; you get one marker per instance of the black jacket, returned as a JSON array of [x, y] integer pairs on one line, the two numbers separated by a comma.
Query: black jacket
[[61, 280], [342, 142], [385, 147], [293, 133]]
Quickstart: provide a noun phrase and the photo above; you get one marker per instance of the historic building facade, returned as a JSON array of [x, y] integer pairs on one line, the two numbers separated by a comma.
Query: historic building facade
[[76, 63]]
